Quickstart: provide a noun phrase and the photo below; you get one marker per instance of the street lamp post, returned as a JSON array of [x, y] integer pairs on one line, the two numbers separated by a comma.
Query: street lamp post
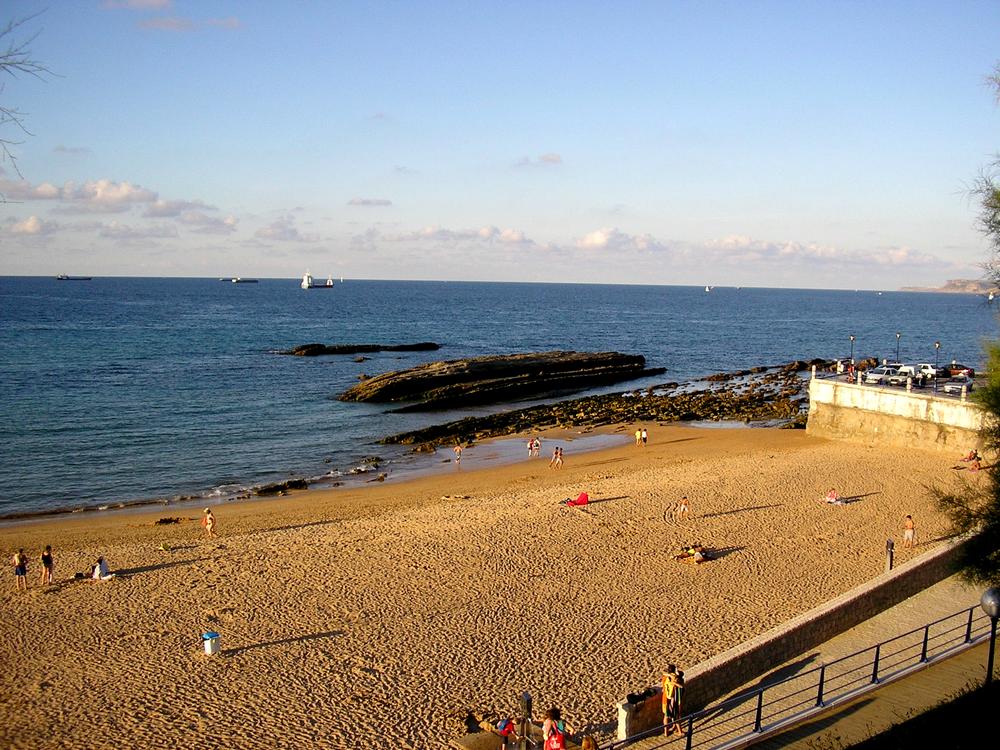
[[898, 334], [990, 602], [937, 351], [852, 349]]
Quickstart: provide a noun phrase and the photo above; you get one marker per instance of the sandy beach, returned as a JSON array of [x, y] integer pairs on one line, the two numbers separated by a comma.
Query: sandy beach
[[382, 616]]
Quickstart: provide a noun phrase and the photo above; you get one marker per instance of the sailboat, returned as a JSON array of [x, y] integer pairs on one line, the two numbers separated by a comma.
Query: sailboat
[[708, 288]]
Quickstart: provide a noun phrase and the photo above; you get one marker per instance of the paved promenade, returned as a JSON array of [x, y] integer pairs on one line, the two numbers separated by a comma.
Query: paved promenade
[[891, 704]]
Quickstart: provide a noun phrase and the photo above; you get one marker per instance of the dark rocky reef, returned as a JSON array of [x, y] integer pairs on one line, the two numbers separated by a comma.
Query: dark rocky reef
[[316, 350], [280, 488], [765, 394], [494, 379]]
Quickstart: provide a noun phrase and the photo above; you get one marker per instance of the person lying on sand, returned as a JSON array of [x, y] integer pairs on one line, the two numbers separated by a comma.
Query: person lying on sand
[[833, 498], [972, 455], [582, 499], [696, 553]]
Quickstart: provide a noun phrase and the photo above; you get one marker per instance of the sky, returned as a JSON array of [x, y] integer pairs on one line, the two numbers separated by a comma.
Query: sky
[[777, 144]]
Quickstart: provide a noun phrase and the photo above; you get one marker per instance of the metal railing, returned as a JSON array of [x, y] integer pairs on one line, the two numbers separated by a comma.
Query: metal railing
[[761, 709]]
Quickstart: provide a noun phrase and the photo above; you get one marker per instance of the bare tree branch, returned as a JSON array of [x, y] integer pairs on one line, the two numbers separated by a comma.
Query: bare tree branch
[[16, 60]]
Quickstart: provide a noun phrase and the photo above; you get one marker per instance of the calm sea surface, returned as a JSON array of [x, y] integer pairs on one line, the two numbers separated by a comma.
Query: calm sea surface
[[120, 389]]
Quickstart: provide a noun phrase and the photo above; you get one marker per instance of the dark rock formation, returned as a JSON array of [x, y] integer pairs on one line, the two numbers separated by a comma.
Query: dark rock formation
[[777, 394], [484, 380], [315, 350], [280, 487]]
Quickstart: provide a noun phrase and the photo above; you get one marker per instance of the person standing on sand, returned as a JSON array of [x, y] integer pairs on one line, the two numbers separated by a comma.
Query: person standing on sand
[[645, 437], [46, 558], [683, 509], [536, 447], [208, 521], [559, 458], [638, 437], [531, 447], [908, 531], [20, 561], [458, 452]]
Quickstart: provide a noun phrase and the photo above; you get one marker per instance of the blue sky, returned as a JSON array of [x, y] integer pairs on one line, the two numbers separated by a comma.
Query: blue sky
[[799, 144]]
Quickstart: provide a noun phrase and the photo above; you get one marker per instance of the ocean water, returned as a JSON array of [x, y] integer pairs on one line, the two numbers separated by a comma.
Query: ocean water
[[119, 390]]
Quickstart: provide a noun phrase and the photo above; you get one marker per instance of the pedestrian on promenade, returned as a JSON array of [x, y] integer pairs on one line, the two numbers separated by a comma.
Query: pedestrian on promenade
[[554, 730], [667, 694], [46, 558], [675, 704], [909, 531], [20, 562]]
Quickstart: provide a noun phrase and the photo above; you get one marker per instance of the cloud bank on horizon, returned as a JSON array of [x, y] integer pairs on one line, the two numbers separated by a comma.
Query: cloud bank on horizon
[[652, 161]]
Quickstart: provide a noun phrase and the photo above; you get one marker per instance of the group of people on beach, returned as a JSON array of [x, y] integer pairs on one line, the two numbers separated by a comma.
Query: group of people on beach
[[557, 459], [534, 447], [98, 571], [20, 562], [641, 436], [554, 732]]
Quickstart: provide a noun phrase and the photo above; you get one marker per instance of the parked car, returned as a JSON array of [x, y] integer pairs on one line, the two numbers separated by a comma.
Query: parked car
[[928, 370], [879, 374], [956, 384], [954, 370]]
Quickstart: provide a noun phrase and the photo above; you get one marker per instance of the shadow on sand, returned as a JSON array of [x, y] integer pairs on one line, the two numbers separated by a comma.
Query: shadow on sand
[[128, 572], [741, 510], [281, 642]]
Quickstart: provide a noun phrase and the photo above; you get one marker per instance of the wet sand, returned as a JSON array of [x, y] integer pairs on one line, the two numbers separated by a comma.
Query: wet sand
[[383, 615]]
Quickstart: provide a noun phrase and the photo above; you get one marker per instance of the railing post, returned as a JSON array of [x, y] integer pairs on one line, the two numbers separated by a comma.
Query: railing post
[[760, 710], [968, 626], [822, 680], [923, 651], [878, 651], [690, 733]]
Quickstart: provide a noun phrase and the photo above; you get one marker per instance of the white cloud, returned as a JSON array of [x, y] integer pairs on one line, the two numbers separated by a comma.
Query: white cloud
[[205, 224], [544, 160], [442, 235], [283, 230], [33, 226], [118, 231], [165, 208], [104, 196], [369, 202]]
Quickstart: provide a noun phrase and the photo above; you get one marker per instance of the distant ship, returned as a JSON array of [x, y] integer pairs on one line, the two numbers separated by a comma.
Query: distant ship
[[708, 288], [307, 282], [64, 277], [241, 280]]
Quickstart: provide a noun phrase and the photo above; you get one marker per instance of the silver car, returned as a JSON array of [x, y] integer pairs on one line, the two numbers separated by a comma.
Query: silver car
[[879, 374], [956, 384]]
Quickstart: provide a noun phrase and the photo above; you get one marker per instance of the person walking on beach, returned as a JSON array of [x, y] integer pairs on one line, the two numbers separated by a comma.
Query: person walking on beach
[[531, 447], [208, 521], [46, 558], [638, 437], [536, 447], [908, 531], [458, 452], [645, 437], [20, 561], [559, 458]]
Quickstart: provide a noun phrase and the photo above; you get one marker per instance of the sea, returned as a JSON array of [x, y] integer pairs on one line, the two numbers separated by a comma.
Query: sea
[[123, 391]]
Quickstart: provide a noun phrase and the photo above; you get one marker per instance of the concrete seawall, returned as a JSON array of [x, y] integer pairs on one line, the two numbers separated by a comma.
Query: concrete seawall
[[892, 416]]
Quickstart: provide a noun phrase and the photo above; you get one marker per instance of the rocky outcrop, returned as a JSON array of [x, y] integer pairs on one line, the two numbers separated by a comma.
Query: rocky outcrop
[[494, 379], [280, 488], [316, 350], [777, 394]]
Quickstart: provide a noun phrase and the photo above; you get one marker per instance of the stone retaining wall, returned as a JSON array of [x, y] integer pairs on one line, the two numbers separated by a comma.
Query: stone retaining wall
[[716, 677], [892, 416]]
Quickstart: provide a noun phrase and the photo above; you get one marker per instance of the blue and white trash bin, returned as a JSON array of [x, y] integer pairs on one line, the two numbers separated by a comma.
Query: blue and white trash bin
[[211, 639]]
